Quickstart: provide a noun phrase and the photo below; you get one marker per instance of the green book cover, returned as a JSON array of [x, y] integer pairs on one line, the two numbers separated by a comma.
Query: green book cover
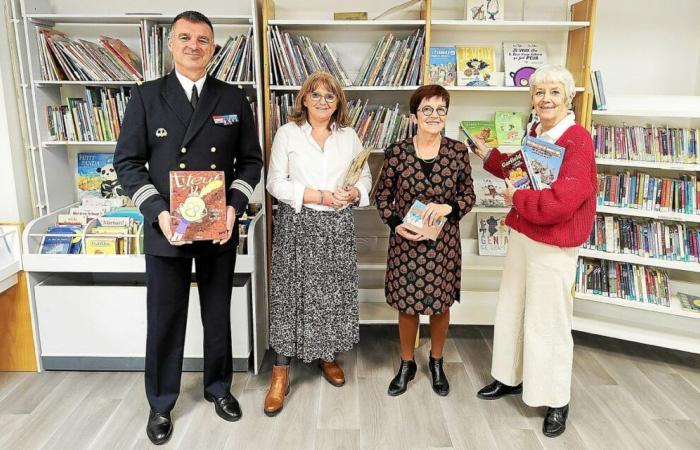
[[484, 129], [509, 127]]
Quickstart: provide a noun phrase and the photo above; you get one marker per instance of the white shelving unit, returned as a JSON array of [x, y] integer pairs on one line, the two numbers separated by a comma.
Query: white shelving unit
[[55, 177], [10, 256]]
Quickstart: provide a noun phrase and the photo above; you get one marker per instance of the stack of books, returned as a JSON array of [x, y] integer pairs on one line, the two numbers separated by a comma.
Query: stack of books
[[234, 61], [96, 117], [394, 62], [656, 144]]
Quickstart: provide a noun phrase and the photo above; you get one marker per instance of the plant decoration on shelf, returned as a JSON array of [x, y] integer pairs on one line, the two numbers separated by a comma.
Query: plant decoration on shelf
[[61, 58], [648, 239], [293, 58], [234, 61], [493, 234], [623, 281], [653, 144], [96, 117], [646, 192], [483, 10], [394, 62]]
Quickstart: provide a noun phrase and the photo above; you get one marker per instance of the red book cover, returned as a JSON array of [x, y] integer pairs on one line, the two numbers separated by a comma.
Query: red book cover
[[515, 170], [198, 205]]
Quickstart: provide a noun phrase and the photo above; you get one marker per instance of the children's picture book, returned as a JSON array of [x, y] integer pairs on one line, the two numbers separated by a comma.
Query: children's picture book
[[484, 9], [489, 192], [520, 60], [509, 127], [198, 205], [443, 66], [62, 239], [493, 234], [414, 221], [543, 160], [515, 169], [482, 129], [97, 177], [689, 302], [475, 65], [355, 169]]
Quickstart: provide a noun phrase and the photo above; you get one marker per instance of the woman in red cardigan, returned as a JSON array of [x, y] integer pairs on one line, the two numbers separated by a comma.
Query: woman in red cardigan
[[532, 344]]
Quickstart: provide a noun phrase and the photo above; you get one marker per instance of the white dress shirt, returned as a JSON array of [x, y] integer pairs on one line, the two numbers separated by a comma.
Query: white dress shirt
[[187, 84], [557, 130], [298, 162]]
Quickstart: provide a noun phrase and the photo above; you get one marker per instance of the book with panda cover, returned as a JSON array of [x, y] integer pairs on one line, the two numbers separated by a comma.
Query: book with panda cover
[[97, 177], [198, 205]]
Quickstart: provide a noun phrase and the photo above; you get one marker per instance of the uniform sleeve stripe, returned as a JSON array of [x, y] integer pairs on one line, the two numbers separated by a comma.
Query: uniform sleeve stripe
[[144, 193], [142, 189], [242, 186]]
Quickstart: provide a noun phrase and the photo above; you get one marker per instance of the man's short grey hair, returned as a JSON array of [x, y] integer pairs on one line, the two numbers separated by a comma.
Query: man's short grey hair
[[554, 74]]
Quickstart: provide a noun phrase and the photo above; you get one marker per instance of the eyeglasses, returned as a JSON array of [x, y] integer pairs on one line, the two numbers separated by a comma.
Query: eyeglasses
[[316, 97], [428, 110]]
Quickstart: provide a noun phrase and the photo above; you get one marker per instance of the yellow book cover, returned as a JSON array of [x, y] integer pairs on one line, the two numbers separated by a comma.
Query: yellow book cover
[[475, 65], [101, 245]]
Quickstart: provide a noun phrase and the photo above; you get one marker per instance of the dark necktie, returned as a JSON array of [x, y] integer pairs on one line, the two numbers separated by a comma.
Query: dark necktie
[[194, 98]]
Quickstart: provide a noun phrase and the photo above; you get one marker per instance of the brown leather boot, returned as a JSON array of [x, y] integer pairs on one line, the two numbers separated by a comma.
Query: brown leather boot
[[279, 388], [332, 372]]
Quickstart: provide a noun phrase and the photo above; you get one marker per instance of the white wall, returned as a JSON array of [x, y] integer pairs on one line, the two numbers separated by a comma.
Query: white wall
[[15, 199], [648, 47]]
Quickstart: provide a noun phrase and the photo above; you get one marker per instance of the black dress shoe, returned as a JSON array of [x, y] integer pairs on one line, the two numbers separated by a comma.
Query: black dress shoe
[[159, 428], [497, 390], [440, 384], [407, 372], [555, 421], [226, 407]]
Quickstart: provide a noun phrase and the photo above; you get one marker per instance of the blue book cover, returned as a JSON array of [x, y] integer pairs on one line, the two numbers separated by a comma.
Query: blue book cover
[[543, 160], [59, 241], [443, 66], [94, 169]]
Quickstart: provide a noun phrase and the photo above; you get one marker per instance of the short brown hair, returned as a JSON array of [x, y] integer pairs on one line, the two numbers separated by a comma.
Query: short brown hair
[[316, 79], [194, 17], [429, 91]]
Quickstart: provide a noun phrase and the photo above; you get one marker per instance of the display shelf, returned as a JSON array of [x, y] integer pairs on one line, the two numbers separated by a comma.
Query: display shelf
[[278, 87], [57, 143], [652, 106], [505, 25], [658, 215], [495, 89], [675, 308], [128, 19], [635, 259], [648, 164], [491, 210], [324, 25]]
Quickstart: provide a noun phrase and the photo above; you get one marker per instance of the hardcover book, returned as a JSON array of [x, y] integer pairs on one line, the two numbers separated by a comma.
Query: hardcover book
[[475, 65], [198, 205], [97, 177], [61, 240], [414, 221], [482, 129], [520, 60], [515, 169], [489, 192], [543, 161], [443, 66], [509, 127], [493, 234]]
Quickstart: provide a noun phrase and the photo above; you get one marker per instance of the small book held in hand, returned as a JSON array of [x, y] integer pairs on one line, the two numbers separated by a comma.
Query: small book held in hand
[[414, 221], [198, 205]]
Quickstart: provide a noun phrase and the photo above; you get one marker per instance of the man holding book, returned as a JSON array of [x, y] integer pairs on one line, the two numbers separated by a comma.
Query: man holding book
[[187, 121], [532, 345]]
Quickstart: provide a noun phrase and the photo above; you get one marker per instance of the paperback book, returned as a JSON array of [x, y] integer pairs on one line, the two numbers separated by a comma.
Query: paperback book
[[443, 66], [520, 60], [509, 127], [493, 234], [543, 161], [515, 170], [97, 177], [484, 130], [489, 192], [689, 302], [198, 205], [475, 66], [414, 221]]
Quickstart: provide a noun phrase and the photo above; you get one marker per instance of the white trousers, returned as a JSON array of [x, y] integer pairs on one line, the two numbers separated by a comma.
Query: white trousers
[[532, 340]]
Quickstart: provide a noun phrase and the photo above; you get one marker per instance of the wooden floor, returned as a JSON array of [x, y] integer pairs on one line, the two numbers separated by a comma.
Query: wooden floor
[[624, 396]]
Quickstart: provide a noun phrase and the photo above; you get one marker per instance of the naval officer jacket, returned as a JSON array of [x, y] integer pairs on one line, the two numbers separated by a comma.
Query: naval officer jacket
[[161, 133]]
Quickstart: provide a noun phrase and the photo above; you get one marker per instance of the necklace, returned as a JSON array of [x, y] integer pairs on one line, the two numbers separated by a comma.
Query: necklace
[[418, 153]]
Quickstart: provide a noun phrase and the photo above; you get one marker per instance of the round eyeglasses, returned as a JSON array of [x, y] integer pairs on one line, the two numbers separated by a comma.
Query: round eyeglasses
[[428, 110], [316, 97]]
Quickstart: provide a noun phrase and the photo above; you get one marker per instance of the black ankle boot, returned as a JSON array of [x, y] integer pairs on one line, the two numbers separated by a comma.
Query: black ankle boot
[[555, 421], [407, 372], [440, 384], [497, 390]]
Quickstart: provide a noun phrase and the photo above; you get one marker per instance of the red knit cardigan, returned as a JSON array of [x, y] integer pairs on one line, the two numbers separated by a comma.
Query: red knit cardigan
[[563, 215]]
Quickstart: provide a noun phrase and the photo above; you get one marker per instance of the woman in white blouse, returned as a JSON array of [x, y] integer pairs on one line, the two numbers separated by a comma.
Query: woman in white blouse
[[313, 305]]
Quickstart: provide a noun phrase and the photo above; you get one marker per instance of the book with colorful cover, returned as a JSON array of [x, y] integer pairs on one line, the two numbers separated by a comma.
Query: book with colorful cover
[[493, 234], [63, 239], [475, 65], [479, 10], [515, 169], [414, 221], [485, 130], [520, 60], [90, 167], [689, 302], [509, 127], [543, 161], [443, 66], [198, 205], [489, 192]]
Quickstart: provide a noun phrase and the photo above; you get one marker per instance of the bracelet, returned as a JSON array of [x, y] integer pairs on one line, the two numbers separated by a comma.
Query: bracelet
[[320, 195]]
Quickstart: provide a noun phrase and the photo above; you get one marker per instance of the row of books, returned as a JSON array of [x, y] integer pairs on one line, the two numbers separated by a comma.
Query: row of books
[[600, 102], [281, 107], [623, 281], [157, 60], [657, 144], [293, 58], [646, 192], [62, 58], [234, 61], [95, 117], [379, 126], [651, 239], [394, 62], [476, 66]]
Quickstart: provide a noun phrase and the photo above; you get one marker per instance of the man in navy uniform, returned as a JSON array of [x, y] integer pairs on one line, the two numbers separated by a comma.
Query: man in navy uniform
[[187, 120]]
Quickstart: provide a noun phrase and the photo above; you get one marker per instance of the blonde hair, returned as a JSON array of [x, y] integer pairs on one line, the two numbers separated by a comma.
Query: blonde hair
[[313, 81], [551, 73]]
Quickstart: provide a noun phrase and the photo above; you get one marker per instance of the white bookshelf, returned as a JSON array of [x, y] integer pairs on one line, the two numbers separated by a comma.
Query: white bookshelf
[[506, 25], [658, 215], [54, 162], [641, 260], [630, 163], [651, 106]]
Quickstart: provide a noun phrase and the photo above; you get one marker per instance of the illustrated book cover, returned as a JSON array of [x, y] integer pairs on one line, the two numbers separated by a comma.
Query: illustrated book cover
[[520, 60], [493, 234], [414, 221], [489, 192], [475, 65], [198, 205], [543, 160], [479, 10], [443, 66], [515, 170], [482, 129], [509, 127]]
